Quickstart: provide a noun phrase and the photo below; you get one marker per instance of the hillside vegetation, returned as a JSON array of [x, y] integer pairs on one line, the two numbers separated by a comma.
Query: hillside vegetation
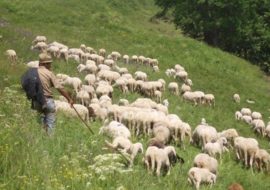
[[31, 160]]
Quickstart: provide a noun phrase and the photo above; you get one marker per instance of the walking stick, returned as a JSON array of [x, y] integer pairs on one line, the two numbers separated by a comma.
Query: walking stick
[[82, 120]]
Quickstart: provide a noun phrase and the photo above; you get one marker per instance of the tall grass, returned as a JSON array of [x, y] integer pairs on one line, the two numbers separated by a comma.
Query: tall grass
[[31, 160]]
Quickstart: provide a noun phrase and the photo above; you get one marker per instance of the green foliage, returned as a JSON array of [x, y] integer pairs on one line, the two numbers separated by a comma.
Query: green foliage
[[241, 27]]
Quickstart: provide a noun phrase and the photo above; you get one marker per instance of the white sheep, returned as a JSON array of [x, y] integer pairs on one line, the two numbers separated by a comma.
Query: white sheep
[[258, 126], [246, 111], [218, 147], [247, 119], [202, 160], [156, 68], [238, 116], [134, 59], [173, 88], [158, 95], [39, 39], [115, 129], [75, 82], [209, 99], [139, 75], [196, 176], [102, 52], [236, 98], [256, 115], [229, 134], [90, 79], [246, 148], [185, 88], [262, 159], [158, 156], [267, 130], [126, 59], [83, 97], [11, 54], [40, 46]]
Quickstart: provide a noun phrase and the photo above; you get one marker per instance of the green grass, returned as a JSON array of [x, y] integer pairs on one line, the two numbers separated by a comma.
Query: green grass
[[31, 160]]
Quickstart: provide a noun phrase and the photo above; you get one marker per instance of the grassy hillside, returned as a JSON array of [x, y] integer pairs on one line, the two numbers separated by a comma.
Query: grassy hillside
[[31, 160]]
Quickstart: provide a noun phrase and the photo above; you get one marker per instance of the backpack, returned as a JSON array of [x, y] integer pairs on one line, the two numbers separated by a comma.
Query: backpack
[[32, 86]]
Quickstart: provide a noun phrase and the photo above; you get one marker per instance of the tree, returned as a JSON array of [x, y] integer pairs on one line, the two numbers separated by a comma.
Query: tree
[[240, 26]]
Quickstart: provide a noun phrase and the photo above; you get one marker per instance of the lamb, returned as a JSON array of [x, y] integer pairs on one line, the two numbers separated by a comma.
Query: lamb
[[156, 68], [158, 156], [202, 160], [126, 59], [166, 103], [217, 147], [262, 160], [209, 99], [102, 52], [198, 175], [236, 98], [11, 54], [134, 59], [188, 82], [127, 146], [115, 129], [158, 95], [238, 115], [173, 88]]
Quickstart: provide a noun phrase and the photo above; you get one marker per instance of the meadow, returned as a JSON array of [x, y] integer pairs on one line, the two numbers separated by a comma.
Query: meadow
[[31, 160]]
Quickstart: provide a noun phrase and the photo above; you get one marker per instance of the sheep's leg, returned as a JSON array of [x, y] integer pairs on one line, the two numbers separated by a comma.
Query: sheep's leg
[[152, 163], [158, 168]]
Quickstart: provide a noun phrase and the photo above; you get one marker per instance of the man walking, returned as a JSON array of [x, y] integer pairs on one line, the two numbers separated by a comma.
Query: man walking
[[48, 81]]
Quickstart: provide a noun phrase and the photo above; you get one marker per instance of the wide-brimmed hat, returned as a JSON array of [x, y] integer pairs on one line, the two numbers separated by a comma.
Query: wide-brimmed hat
[[45, 58]]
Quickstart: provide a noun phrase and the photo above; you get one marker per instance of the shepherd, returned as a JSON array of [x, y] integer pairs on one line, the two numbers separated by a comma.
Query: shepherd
[[38, 84]]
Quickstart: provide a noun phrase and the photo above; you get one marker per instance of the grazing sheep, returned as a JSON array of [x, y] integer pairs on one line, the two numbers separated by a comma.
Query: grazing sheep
[[262, 160], [40, 46], [218, 147], [229, 134], [203, 134], [75, 82], [197, 176], [166, 103], [126, 59], [158, 156], [102, 52], [256, 115], [161, 133], [134, 59], [246, 111], [258, 126], [236, 98], [246, 148], [209, 99], [139, 75], [238, 115], [158, 95], [11, 54], [267, 130], [202, 160], [90, 79], [115, 129], [39, 39], [156, 68], [173, 88], [185, 88], [247, 119]]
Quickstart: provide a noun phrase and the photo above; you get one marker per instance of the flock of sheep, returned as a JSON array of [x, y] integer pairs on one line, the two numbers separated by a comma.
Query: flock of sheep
[[149, 116]]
